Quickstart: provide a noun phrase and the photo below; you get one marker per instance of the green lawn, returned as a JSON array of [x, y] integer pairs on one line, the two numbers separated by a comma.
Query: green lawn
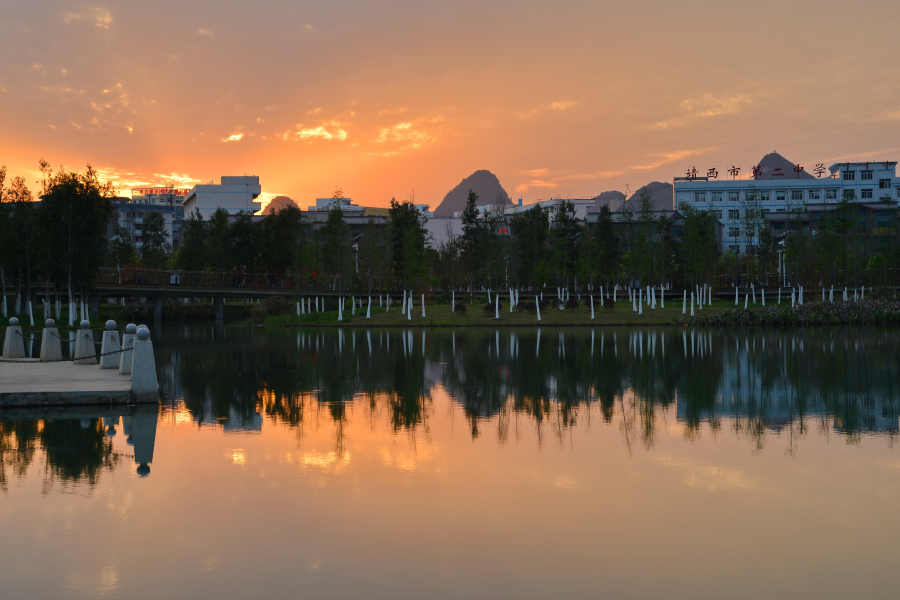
[[441, 315]]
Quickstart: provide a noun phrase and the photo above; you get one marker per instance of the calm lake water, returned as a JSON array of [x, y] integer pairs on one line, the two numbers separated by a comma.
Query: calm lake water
[[510, 463]]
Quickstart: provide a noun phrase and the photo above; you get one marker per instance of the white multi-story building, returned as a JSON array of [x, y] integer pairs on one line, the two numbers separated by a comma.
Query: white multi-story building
[[131, 217], [784, 190], [233, 194]]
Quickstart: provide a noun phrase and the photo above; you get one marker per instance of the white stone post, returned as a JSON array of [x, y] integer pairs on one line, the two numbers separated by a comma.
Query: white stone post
[[110, 344], [13, 342], [51, 347], [84, 345], [126, 358], [143, 368]]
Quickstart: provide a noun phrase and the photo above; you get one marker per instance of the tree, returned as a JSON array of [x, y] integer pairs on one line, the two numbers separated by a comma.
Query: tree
[[529, 233], [74, 212], [281, 235], [120, 250], [156, 247], [336, 249], [191, 256], [409, 238], [218, 242], [473, 239], [564, 231]]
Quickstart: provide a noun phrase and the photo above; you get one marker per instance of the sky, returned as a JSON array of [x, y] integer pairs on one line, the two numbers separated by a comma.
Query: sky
[[401, 99]]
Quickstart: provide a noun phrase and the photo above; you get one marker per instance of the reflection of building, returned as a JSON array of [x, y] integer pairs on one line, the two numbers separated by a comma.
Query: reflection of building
[[743, 394], [233, 194], [783, 189]]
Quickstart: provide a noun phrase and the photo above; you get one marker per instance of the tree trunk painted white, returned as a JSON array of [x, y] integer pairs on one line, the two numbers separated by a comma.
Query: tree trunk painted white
[[537, 304], [409, 308], [592, 318], [746, 299], [497, 310], [692, 304], [423, 306], [684, 303], [453, 301], [762, 295], [403, 311], [368, 315], [640, 302]]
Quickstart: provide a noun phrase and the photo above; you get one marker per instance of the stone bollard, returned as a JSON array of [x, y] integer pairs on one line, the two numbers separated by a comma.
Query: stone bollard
[[85, 354], [127, 343], [110, 344], [13, 343], [51, 347], [144, 385]]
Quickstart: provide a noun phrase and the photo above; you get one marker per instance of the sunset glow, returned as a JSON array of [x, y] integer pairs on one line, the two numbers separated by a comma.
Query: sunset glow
[[385, 99]]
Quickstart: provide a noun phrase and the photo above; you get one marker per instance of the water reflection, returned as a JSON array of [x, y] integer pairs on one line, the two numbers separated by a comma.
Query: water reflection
[[74, 445], [841, 381]]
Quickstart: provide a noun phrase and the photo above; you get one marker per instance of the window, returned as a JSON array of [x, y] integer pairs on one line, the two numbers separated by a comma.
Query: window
[[865, 175], [699, 196], [831, 194], [734, 196], [734, 215], [734, 248], [866, 193], [717, 196], [796, 194], [717, 214], [780, 196], [815, 194], [780, 210], [734, 232], [884, 184], [764, 196], [849, 175]]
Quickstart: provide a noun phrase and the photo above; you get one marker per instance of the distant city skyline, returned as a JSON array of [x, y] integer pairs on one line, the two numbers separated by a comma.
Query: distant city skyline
[[386, 100]]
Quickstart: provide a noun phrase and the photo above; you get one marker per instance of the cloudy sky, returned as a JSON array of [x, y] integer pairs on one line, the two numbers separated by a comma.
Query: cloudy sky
[[383, 99]]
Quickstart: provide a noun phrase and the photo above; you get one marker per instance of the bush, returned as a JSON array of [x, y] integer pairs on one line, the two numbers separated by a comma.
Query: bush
[[609, 304], [489, 308], [273, 306], [572, 304], [529, 307], [862, 312], [444, 298], [460, 307]]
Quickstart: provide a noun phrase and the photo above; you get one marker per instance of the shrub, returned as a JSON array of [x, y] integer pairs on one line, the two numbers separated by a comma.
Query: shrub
[[609, 304], [460, 307], [572, 304], [489, 308]]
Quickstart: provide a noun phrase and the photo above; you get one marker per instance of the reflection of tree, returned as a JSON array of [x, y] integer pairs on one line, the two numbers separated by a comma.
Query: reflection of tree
[[17, 445], [756, 381], [76, 451]]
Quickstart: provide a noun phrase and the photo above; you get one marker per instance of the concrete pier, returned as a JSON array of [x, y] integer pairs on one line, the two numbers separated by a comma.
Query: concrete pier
[[32, 382]]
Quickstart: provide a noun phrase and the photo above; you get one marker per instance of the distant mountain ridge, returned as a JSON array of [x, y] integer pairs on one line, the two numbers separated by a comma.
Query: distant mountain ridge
[[482, 182]]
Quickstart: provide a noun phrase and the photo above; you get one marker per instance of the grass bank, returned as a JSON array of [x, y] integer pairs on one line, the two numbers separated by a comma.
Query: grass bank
[[441, 315]]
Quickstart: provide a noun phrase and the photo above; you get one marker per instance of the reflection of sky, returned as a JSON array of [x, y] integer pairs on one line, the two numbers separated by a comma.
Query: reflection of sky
[[436, 513]]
